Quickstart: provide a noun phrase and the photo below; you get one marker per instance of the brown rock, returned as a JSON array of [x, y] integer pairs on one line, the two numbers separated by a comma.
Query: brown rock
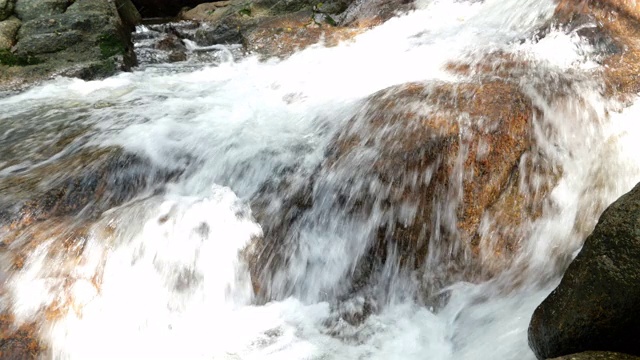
[[209, 12], [443, 157], [617, 30], [18, 342], [282, 35]]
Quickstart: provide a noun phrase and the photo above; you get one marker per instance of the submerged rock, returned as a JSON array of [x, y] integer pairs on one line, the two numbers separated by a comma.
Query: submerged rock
[[612, 27], [18, 343], [445, 172], [597, 304], [87, 183]]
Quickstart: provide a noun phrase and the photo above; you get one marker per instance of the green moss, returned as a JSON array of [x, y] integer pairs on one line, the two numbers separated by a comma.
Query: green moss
[[110, 45], [10, 59], [330, 20]]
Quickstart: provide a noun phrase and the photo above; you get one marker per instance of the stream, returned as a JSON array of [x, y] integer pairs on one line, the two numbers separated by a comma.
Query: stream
[[163, 273]]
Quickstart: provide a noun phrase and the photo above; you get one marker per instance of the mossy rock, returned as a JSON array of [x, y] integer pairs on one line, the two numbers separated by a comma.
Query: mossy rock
[[10, 59], [110, 45]]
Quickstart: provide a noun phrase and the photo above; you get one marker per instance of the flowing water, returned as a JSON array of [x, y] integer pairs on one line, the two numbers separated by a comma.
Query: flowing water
[[162, 275]]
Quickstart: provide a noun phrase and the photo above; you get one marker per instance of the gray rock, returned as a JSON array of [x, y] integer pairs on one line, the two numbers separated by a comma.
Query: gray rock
[[6, 8], [597, 304], [218, 34], [8, 31], [89, 40], [284, 6], [32, 9], [48, 43]]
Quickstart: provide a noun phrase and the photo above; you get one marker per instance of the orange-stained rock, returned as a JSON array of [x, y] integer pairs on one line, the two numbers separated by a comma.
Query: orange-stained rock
[[616, 22], [450, 169], [283, 35], [18, 342], [449, 152]]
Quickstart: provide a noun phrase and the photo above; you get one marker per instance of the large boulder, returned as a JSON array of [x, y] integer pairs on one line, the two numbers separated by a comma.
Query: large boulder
[[597, 304], [445, 172], [32, 9], [85, 38]]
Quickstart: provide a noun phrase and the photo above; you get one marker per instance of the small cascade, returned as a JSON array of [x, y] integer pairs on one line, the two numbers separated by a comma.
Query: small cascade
[[413, 192]]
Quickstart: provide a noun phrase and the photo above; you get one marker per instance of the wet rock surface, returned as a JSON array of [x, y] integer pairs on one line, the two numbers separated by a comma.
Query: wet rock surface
[[18, 342], [279, 28], [411, 146], [87, 182], [597, 304]]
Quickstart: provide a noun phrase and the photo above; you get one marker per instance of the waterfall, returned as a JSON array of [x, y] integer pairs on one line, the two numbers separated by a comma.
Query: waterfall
[[236, 152]]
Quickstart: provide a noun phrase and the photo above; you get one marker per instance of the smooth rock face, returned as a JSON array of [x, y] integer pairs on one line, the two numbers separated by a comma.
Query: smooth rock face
[[593, 355], [6, 8], [32, 9], [8, 30], [597, 304]]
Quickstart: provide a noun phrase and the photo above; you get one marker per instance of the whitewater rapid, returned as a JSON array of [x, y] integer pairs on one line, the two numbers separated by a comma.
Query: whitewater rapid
[[172, 281]]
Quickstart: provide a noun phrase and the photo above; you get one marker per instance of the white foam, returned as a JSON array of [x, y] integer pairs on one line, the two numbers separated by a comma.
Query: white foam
[[173, 284]]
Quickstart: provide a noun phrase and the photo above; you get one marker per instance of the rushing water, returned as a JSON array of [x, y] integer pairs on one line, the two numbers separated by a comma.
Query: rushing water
[[161, 275]]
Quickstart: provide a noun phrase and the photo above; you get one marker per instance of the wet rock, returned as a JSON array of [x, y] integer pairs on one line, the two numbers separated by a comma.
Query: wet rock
[[277, 28], [218, 34], [597, 304], [32, 9], [612, 27], [87, 183], [373, 12], [18, 342], [177, 56], [592, 355], [439, 167], [8, 31], [6, 8], [446, 167], [170, 43], [283, 35]]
